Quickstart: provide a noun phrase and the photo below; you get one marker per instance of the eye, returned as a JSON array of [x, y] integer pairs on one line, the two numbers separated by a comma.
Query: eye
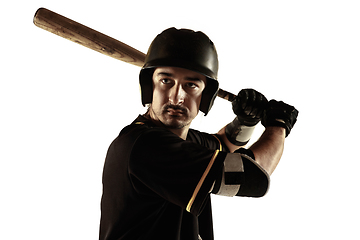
[[191, 85], [165, 80]]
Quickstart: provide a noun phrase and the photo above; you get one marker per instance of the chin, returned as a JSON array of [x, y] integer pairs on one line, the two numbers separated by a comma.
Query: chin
[[176, 123]]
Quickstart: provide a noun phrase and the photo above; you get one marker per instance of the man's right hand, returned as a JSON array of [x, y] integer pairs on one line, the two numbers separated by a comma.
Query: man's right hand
[[249, 106]]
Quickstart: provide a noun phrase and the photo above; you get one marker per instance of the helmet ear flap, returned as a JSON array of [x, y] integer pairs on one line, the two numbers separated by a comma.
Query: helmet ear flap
[[208, 96], [146, 85]]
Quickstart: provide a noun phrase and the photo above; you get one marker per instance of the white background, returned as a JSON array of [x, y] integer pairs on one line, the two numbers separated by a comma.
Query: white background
[[62, 105]]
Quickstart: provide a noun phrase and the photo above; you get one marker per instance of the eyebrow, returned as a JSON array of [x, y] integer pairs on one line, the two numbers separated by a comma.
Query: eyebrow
[[187, 78]]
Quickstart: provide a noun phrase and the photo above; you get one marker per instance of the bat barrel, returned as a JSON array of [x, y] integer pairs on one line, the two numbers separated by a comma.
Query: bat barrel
[[90, 38]]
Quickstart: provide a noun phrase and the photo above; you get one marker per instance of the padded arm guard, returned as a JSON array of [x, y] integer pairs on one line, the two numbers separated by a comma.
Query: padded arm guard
[[241, 176], [238, 133]]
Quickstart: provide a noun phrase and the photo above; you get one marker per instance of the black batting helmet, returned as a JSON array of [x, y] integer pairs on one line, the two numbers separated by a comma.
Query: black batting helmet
[[182, 48]]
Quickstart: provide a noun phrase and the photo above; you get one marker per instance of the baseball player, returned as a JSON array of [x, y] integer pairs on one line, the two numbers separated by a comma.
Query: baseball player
[[159, 173]]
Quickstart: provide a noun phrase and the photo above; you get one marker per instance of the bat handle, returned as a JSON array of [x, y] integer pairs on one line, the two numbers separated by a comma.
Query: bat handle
[[226, 95]]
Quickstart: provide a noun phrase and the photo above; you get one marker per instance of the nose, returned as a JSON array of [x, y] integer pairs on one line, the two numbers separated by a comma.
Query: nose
[[177, 94]]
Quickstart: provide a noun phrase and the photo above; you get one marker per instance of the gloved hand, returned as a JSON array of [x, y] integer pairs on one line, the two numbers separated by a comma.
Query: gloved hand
[[280, 114], [249, 106]]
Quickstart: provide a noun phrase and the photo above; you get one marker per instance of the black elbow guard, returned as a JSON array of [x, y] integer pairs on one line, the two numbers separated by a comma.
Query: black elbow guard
[[241, 176]]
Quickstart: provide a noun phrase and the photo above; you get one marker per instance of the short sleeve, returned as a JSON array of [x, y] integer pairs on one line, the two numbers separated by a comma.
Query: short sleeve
[[178, 171]]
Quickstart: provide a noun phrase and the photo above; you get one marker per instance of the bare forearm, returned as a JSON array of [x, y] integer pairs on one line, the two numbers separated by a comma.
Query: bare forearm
[[269, 148]]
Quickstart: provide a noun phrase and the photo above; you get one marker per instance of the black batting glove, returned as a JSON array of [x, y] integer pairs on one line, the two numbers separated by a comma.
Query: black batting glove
[[280, 114], [249, 106]]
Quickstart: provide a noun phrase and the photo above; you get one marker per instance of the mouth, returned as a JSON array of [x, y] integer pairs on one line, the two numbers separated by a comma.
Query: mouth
[[175, 111]]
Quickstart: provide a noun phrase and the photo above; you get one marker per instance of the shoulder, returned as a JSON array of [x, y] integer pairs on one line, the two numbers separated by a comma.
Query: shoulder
[[210, 141], [145, 135]]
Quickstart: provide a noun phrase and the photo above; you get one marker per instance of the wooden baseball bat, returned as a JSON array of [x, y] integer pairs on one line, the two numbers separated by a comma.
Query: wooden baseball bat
[[90, 38]]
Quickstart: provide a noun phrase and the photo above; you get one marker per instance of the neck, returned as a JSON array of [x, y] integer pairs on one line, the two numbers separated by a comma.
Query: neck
[[182, 133]]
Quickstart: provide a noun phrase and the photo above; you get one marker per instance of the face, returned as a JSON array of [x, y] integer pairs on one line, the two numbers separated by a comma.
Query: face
[[176, 96]]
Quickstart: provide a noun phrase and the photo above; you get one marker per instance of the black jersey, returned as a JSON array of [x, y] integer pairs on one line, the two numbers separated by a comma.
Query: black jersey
[[156, 185]]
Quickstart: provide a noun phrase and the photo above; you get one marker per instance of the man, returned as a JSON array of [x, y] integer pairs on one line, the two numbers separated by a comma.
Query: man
[[159, 173]]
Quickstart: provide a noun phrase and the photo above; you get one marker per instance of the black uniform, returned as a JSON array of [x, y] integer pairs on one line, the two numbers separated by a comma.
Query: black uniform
[[156, 185]]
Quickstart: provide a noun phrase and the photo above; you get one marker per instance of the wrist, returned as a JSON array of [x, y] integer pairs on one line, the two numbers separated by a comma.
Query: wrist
[[248, 121], [276, 130]]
